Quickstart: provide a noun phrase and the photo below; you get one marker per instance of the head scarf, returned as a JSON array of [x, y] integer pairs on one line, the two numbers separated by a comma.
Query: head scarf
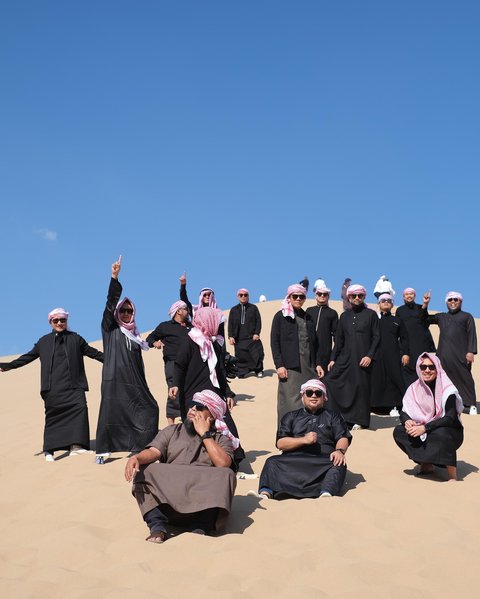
[[314, 384], [287, 308], [385, 296], [320, 285], [417, 401], [212, 302], [217, 408], [204, 332], [383, 285], [174, 308], [262, 298], [409, 290], [243, 290], [451, 294], [129, 329], [356, 289], [57, 313]]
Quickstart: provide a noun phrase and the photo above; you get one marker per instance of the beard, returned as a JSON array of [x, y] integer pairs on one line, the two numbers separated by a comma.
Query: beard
[[188, 424]]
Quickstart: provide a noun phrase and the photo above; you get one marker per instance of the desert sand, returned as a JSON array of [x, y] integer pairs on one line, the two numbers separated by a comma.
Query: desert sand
[[72, 530]]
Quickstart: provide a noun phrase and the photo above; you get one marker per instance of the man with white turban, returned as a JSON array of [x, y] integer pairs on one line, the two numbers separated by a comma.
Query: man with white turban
[[314, 442], [294, 349], [168, 336], [457, 346], [326, 321], [184, 476], [349, 378], [62, 385]]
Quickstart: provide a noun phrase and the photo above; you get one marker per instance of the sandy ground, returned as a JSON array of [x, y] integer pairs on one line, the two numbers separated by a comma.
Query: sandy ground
[[71, 529]]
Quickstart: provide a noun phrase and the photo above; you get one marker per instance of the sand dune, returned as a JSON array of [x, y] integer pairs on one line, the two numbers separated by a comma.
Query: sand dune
[[72, 530]]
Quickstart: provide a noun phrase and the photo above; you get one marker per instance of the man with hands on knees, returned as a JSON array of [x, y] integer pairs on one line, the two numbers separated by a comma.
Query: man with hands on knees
[[184, 477]]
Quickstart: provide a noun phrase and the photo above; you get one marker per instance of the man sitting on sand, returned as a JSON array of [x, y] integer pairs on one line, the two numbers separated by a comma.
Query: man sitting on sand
[[183, 477], [313, 441]]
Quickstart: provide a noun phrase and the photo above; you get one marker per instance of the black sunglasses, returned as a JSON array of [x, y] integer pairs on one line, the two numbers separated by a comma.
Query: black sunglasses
[[243, 295], [199, 407], [321, 293], [59, 320], [427, 367], [314, 392], [297, 296], [126, 311], [355, 295]]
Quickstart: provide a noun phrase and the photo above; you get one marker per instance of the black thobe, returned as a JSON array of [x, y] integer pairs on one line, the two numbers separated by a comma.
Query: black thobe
[[192, 375], [128, 417], [171, 333], [457, 338], [348, 384], [419, 337], [444, 437], [388, 386], [308, 470], [63, 386], [326, 322], [244, 322]]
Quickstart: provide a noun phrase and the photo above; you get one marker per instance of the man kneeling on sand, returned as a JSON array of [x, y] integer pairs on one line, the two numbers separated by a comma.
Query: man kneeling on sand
[[184, 476], [313, 441]]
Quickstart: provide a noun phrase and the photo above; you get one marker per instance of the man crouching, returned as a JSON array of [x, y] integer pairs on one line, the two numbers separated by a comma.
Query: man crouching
[[173, 478]]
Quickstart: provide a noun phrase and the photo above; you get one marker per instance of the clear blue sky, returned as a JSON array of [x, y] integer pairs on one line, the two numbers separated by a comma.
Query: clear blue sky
[[248, 143]]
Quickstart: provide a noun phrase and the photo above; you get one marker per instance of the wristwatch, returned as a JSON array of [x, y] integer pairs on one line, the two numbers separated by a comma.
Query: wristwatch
[[207, 435]]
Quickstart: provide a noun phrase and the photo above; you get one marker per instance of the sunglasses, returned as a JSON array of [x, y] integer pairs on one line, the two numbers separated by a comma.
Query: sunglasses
[[243, 295], [298, 296], [314, 392], [355, 295], [207, 294], [386, 301], [453, 299], [321, 294], [199, 407], [427, 367], [59, 320], [126, 311]]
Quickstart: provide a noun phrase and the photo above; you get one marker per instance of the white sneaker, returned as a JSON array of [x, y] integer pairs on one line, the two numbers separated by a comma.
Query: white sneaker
[[326, 494], [357, 427], [394, 413], [258, 495], [473, 411], [259, 375], [49, 457]]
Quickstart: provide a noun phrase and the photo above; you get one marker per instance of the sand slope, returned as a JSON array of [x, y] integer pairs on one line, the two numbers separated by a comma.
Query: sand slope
[[72, 530]]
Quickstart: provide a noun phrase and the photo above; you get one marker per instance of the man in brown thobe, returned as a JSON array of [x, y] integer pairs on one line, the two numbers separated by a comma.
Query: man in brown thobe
[[183, 477]]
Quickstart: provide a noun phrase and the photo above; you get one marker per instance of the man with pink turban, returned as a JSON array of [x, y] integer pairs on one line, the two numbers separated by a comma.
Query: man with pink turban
[[349, 378], [244, 326], [169, 336], [457, 346], [184, 476], [62, 385], [295, 349], [128, 417], [314, 442], [414, 316]]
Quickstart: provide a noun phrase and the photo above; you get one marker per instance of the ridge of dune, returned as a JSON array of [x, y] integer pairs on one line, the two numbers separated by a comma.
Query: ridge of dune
[[72, 530]]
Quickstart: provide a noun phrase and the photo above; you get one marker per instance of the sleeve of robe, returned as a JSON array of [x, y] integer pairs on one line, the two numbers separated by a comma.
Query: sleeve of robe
[[89, 351], [155, 335], [432, 319], [403, 335], [184, 298], [22, 360], [375, 328], [275, 340], [285, 428], [450, 416], [162, 440], [258, 322], [232, 323], [339, 340], [471, 335], [113, 297], [340, 428]]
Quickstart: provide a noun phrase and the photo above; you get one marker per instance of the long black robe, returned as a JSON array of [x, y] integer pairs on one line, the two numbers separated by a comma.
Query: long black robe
[[128, 417], [244, 322], [326, 322], [192, 375], [457, 338], [63, 386], [171, 333], [444, 437], [388, 386], [307, 471], [419, 337], [348, 384]]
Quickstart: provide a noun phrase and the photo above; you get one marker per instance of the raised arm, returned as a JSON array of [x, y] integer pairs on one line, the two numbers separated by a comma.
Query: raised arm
[[113, 296], [183, 293], [22, 360]]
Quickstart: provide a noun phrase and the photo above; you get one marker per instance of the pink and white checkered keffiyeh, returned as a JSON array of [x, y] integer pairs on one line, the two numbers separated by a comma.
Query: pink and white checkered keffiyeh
[[217, 408], [174, 308], [287, 308], [57, 313], [129, 329], [204, 332]]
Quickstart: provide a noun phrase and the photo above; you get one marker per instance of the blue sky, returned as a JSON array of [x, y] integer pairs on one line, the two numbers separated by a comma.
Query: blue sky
[[248, 143]]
